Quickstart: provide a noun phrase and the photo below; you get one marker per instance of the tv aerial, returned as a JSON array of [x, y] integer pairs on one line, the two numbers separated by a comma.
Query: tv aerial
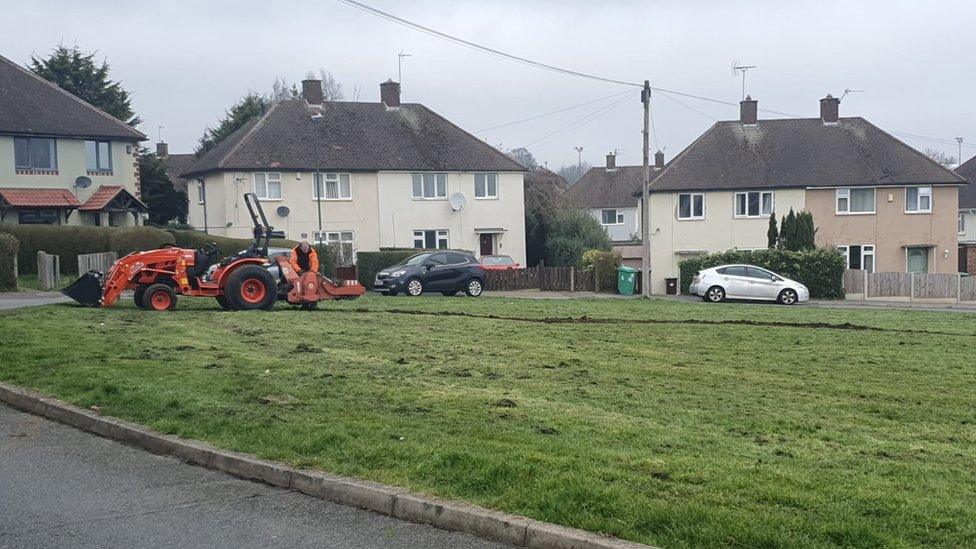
[[847, 91], [742, 69]]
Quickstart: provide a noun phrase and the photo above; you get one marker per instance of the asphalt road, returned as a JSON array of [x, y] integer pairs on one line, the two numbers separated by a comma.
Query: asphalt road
[[61, 487], [14, 300]]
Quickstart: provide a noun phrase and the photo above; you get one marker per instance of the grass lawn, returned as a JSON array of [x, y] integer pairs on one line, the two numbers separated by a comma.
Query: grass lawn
[[813, 427]]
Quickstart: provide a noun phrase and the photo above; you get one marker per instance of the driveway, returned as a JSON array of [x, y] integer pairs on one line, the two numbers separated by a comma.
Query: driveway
[[14, 300], [61, 487]]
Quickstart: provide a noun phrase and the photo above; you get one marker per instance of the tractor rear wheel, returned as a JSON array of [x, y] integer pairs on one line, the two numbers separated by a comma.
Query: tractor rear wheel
[[251, 287], [138, 294], [159, 297]]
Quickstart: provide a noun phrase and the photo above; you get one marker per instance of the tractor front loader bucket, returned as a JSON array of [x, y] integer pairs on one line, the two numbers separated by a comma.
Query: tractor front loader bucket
[[87, 290]]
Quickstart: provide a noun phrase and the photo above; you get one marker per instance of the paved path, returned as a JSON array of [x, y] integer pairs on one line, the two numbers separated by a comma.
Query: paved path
[[61, 487], [14, 300]]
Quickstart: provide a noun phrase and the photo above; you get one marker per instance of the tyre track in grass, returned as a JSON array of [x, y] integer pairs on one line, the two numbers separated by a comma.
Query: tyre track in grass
[[650, 321]]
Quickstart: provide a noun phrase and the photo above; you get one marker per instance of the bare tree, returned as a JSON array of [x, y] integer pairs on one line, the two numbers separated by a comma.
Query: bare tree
[[946, 160], [282, 90], [331, 88], [573, 172]]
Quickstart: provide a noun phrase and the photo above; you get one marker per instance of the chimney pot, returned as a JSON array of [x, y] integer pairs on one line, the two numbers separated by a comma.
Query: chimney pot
[[748, 110], [659, 160], [611, 161], [162, 149], [312, 91], [390, 93], [830, 109]]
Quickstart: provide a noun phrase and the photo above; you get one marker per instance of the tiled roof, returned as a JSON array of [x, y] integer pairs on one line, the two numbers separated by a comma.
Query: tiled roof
[[104, 195], [34, 106], [175, 164], [352, 136], [799, 153], [967, 194], [617, 188], [39, 198]]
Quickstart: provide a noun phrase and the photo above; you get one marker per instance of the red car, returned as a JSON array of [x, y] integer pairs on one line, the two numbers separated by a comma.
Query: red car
[[498, 263]]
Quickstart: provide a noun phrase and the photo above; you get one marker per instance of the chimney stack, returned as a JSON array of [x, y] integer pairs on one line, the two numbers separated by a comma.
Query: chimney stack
[[162, 149], [611, 162], [659, 160], [390, 93], [829, 109], [748, 110], [312, 91]]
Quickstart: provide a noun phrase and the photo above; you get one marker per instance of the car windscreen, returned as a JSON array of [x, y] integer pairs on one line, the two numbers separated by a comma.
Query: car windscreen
[[497, 260], [415, 260]]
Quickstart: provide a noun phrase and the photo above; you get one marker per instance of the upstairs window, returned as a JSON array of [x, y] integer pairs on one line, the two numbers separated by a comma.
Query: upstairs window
[[337, 187], [612, 217], [918, 199], [486, 185], [754, 204], [201, 193], [35, 153], [99, 156], [962, 223], [267, 186], [429, 186], [691, 206], [855, 201]]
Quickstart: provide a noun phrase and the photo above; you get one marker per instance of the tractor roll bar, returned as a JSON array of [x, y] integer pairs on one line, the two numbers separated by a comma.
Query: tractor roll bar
[[262, 230]]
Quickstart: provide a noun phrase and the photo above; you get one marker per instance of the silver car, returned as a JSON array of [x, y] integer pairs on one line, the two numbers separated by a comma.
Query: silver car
[[746, 282]]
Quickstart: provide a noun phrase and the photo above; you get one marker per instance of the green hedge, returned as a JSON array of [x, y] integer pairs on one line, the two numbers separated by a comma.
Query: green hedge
[[370, 263], [820, 270], [8, 271], [227, 245], [68, 241], [604, 265]]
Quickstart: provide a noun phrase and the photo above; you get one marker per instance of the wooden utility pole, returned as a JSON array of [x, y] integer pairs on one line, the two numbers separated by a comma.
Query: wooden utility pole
[[645, 192]]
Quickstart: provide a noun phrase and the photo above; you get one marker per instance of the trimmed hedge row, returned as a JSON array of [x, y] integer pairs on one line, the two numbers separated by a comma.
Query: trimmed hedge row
[[820, 270], [227, 245], [370, 263], [8, 253], [68, 241]]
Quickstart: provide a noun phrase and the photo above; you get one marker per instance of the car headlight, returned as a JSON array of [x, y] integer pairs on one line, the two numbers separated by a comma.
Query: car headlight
[[396, 274]]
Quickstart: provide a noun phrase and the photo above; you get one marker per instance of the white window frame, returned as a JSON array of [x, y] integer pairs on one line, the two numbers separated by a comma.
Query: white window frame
[[201, 193], [328, 179], [334, 236], [618, 216], [961, 224], [439, 234], [846, 193], [923, 191], [746, 215], [268, 180], [691, 206], [95, 147], [865, 252], [488, 180], [436, 179]]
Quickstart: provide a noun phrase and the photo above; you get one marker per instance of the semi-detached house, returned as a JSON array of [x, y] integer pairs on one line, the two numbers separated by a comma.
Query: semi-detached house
[[967, 218], [63, 161], [391, 174], [885, 205]]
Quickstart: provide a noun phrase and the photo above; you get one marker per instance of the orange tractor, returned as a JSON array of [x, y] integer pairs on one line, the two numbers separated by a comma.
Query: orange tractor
[[243, 281]]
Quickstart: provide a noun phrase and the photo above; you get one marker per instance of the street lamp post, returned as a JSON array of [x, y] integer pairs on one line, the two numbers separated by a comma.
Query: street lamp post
[[317, 182]]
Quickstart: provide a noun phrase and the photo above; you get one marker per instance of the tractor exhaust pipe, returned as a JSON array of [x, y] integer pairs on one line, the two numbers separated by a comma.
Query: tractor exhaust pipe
[[88, 289]]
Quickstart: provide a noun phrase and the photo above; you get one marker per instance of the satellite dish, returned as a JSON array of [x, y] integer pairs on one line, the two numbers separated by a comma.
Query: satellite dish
[[458, 201], [283, 211], [83, 182]]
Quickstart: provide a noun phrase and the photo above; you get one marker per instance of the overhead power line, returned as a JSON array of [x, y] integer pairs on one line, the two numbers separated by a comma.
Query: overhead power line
[[553, 112], [582, 120]]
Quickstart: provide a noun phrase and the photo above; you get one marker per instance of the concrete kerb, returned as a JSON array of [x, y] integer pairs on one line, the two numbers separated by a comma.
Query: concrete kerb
[[387, 500]]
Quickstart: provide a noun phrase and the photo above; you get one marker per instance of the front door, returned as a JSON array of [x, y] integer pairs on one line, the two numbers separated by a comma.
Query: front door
[[918, 260], [487, 244]]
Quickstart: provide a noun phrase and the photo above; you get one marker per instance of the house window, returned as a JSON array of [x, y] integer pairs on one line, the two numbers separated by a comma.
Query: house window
[[333, 237], [99, 156], [918, 199], [612, 217], [39, 217], [201, 193], [754, 204], [962, 223], [336, 187], [857, 256], [855, 201], [486, 185], [430, 239], [691, 206], [35, 153], [267, 186], [429, 186]]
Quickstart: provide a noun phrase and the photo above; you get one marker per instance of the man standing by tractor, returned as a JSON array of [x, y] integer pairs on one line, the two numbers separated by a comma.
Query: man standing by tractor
[[303, 258]]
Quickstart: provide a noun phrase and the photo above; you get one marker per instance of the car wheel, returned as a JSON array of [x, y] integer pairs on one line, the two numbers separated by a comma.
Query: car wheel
[[251, 287], [159, 297], [787, 297], [474, 288], [450, 294], [715, 294], [414, 287]]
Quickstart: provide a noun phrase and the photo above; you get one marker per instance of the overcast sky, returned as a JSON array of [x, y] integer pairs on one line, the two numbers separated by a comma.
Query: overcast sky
[[186, 62]]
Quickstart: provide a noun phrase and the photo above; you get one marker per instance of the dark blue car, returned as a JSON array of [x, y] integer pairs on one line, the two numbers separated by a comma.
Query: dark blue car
[[446, 271]]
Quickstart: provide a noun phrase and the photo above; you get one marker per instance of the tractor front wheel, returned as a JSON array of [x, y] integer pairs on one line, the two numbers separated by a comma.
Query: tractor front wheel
[[251, 287], [224, 304], [159, 297], [138, 294]]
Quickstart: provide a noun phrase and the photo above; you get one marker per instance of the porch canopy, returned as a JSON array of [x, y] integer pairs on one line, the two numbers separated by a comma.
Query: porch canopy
[[27, 199], [109, 199]]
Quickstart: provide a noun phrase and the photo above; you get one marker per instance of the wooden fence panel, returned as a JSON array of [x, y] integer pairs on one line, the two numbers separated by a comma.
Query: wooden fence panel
[[96, 262], [936, 286], [48, 271], [584, 281], [547, 279], [515, 279], [889, 285], [853, 281], [967, 288]]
